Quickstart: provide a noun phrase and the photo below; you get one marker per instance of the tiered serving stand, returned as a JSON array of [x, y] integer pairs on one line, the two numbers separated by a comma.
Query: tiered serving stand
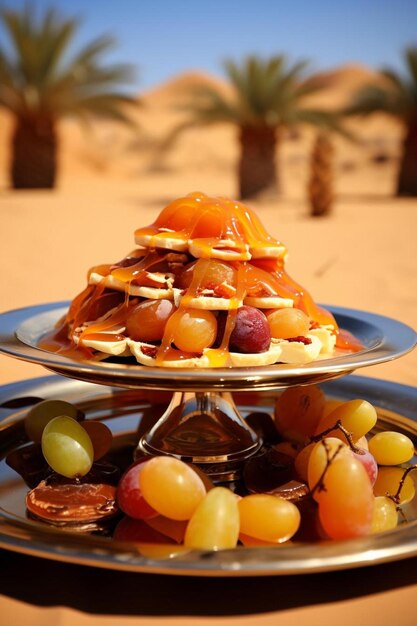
[[202, 421]]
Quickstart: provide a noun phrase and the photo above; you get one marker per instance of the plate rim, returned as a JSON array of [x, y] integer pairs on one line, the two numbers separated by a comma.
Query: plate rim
[[285, 560], [395, 340]]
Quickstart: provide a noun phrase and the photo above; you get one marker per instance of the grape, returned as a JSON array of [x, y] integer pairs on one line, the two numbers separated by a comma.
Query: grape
[[171, 487], [385, 516], [388, 482], [215, 273], [215, 523], [346, 504], [391, 448], [267, 517], [43, 412], [104, 303], [194, 330], [251, 333], [129, 495], [298, 411], [323, 454], [329, 406], [147, 320], [101, 437], [369, 463], [287, 323], [358, 417], [302, 459], [67, 447]]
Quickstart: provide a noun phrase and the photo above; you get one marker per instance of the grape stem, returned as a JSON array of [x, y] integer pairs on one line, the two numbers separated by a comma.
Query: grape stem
[[320, 486], [397, 496], [347, 434]]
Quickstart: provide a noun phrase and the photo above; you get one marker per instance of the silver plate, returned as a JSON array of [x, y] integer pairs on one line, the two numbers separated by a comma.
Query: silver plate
[[383, 338], [121, 409]]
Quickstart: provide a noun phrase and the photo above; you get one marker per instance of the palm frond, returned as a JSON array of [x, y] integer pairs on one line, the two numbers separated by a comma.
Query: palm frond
[[38, 77]]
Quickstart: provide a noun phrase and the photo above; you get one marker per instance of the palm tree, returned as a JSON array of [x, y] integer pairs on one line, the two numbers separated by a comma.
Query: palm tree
[[320, 184], [39, 86], [398, 98], [267, 99]]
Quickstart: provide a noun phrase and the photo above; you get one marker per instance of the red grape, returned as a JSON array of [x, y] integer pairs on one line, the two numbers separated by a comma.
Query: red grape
[[129, 494], [251, 333]]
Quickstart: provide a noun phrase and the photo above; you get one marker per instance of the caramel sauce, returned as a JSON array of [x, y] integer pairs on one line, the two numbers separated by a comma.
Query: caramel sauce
[[212, 225]]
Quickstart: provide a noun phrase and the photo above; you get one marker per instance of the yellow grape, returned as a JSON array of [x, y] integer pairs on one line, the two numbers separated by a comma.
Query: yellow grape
[[194, 330], [269, 518], [329, 406], [391, 448], [287, 323], [362, 442], [298, 411], [357, 416], [67, 447], [346, 505], [385, 515], [302, 459], [215, 523], [388, 481], [322, 453], [171, 487]]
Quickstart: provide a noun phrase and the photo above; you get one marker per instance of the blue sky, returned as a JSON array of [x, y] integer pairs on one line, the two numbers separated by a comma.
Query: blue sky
[[164, 37]]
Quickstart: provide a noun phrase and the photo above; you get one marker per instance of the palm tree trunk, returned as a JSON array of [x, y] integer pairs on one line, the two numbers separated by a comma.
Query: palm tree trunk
[[34, 150], [407, 178], [257, 165], [320, 186]]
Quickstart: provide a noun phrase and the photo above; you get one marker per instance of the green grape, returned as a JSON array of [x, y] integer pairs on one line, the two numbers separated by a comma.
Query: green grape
[[385, 516], [67, 447], [391, 448], [42, 413]]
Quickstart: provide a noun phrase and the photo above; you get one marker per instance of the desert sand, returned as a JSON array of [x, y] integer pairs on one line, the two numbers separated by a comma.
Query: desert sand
[[112, 181]]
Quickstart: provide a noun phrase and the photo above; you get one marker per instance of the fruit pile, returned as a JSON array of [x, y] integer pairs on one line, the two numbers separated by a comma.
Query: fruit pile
[[206, 287], [321, 474]]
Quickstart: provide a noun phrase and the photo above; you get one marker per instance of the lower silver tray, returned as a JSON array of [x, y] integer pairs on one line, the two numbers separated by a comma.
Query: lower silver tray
[[123, 410]]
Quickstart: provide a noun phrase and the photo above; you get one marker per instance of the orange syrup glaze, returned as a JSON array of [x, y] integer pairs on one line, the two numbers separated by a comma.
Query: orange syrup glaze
[[211, 221]]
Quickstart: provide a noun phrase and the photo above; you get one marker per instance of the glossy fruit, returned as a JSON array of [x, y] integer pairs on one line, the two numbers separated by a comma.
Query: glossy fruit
[[268, 517], [302, 459], [298, 411], [369, 463], [101, 437], [215, 523], [358, 417], [385, 515], [147, 320], [171, 487], [346, 504], [391, 448], [194, 330], [323, 454], [211, 275], [43, 412], [129, 494], [67, 447], [288, 323], [251, 333], [388, 482]]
